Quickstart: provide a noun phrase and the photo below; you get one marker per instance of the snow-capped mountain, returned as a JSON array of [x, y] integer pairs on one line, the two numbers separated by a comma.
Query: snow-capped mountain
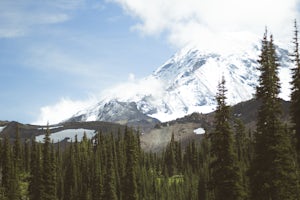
[[186, 83]]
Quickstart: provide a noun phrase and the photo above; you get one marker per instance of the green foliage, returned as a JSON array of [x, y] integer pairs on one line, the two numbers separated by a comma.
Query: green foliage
[[48, 172], [295, 94], [175, 179], [170, 158], [226, 180], [243, 148], [272, 172], [130, 187]]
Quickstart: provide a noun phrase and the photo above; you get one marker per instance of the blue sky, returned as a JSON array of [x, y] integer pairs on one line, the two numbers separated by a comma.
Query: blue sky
[[57, 56], [59, 50]]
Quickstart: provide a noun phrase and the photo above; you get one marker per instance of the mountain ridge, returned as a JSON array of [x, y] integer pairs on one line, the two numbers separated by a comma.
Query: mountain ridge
[[152, 139]]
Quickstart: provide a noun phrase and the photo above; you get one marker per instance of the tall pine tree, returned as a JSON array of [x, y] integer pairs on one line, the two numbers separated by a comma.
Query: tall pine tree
[[6, 165], [226, 180], [48, 171], [110, 183], [243, 150], [35, 172], [295, 95], [130, 188], [170, 158], [272, 173]]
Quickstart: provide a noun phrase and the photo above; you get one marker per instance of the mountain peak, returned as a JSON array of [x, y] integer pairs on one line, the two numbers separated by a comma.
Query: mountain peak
[[187, 83]]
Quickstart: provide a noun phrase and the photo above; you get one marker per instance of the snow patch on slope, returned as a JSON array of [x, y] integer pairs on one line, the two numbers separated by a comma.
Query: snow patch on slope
[[68, 134], [199, 131], [2, 128]]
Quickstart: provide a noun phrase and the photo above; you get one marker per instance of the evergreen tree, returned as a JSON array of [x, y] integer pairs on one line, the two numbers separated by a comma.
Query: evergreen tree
[[204, 173], [6, 165], [242, 148], [27, 155], [110, 183], [130, 190], [178, 155], [83, 159], [16, 170], [272, 173], [48, 170], [120, 154], [10, 178], [191, 158], [170, 158], [17, 150], [97, 186], [59, 173], [71, 176], [202, 186], [226, 180], [35, 172], [295, 94]]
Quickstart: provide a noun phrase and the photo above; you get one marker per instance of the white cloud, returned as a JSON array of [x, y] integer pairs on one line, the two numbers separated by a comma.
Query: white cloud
[[62, 110], [132, 90], [211, 21]]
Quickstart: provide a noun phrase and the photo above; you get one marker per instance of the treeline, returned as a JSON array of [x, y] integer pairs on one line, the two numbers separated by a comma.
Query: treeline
[[105, 167], [230, 162]]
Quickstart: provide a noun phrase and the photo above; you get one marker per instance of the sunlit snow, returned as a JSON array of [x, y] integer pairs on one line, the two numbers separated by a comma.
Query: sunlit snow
[[1, 128], [199, 131], [69, 134]]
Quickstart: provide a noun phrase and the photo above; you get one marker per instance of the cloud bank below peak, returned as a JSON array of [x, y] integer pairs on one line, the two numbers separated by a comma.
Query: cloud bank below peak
[[131, 90], [62, 110]]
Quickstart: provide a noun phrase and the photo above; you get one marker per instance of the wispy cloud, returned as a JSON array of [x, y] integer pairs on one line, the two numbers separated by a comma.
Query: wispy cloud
[[19, 17], [211, 21], [55, 59]]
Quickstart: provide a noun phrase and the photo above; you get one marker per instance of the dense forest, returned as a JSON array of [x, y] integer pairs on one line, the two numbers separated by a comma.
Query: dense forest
[[229, 163]]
